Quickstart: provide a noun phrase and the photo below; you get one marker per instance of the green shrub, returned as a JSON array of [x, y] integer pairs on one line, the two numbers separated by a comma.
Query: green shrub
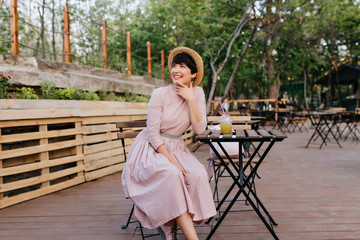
[[93, 96], [79, 94], [65, 93], [48, 89], [102, 95], [26, 93], [133, 97], [4, 85]]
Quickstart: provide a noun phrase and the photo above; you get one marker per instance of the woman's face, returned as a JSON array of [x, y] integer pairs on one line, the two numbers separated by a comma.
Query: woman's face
[[182, 73]]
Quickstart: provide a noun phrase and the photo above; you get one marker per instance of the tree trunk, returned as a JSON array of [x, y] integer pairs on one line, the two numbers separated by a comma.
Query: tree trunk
[[42, 29], [213, 62], [236, 69], [53, 30], [338, 84], [305, 87]]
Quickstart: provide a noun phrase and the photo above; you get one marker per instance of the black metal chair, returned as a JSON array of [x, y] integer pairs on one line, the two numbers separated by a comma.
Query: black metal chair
[[129, 130]]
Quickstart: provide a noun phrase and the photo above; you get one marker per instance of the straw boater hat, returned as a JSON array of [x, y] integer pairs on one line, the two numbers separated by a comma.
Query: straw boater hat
[[195, 56]]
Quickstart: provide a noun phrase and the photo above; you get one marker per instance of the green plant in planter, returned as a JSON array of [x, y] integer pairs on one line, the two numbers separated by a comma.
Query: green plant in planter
[[102, 93], [65, 93], [48, 89], [26, 93], [4, 85]]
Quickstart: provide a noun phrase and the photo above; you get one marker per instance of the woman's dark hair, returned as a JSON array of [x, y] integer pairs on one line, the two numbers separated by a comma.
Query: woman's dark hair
[[185, 59]]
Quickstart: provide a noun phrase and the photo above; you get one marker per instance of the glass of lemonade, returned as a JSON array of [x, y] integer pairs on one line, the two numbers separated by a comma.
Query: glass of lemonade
[[225, 124]]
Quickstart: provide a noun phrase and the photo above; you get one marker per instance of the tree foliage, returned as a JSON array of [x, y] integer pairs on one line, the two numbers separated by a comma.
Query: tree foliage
[[279, 43]]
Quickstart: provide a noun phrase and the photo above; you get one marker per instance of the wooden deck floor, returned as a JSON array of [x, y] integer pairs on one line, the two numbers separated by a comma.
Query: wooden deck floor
[[311, 193]]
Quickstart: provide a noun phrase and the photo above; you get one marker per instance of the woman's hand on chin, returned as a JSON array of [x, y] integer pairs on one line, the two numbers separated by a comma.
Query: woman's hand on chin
[[184, 91]]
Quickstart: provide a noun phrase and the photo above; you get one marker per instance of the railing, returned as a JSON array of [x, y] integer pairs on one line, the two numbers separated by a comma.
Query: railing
[[110, 54], [214, 103]]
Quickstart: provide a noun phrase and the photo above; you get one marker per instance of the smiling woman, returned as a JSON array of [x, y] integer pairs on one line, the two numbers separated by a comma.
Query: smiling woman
[[167, 184]]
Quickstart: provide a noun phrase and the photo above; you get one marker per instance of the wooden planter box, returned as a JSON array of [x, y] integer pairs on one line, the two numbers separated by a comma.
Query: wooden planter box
[[49, 145]]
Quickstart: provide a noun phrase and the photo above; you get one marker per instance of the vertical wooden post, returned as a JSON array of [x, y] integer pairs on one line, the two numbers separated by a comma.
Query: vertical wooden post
[[162, 65], [104, 43], [79, 148], [149, 58], [44, 156], [67, 34], [14, 28], [128, 53], [1, 178]]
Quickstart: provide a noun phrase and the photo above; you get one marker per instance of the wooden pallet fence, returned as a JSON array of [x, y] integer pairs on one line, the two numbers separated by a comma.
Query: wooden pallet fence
[[103, 151], [39, 157], [49, 145], [188, 136]]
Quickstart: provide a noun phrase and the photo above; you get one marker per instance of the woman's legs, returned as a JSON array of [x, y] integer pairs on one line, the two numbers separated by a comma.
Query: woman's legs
[[186, 224]]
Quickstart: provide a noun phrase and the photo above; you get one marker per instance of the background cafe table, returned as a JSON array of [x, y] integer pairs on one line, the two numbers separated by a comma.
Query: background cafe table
[[325, 124], [240, 179]]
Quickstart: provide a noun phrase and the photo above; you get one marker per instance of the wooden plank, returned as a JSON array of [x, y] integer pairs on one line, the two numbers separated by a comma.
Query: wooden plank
[[203, 134], [264, 133], [188, 141], [252, 134], [19, 104], [213, 119], [108, 127], [39, 149], [39, 179], [101, 147], [241, 118], [105, 154], [89, 176], [90, 166], [241, 127], [240, 134], [38, 135], [278, 134], [112, 105], [20, 123], [121, 135], [131, 124], [110, 112], [39, 165], [37, 113], [40, 192], [62, 113], [215, 134], [99, 137], [227, 136], [112, 119], [22, 160]]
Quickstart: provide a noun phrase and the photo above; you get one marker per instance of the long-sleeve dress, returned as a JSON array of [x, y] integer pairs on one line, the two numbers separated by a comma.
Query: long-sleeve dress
[[157, 187]]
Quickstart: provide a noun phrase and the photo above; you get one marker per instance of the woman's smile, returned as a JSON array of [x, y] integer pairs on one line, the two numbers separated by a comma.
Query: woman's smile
[[182, 73]]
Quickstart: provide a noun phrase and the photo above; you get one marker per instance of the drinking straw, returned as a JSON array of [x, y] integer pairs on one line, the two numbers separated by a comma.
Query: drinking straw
[[221, 106]]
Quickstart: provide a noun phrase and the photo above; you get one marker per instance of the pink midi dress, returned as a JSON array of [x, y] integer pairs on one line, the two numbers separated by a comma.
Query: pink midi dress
[[157, 187]]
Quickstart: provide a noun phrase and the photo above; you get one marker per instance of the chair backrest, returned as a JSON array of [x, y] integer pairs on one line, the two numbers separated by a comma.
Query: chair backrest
[[337, 110], [129, 130], [214, 120], [285, 110], [357, 111]]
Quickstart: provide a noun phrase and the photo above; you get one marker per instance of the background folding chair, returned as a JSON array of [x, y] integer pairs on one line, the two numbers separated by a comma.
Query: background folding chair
[[128, 131]]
